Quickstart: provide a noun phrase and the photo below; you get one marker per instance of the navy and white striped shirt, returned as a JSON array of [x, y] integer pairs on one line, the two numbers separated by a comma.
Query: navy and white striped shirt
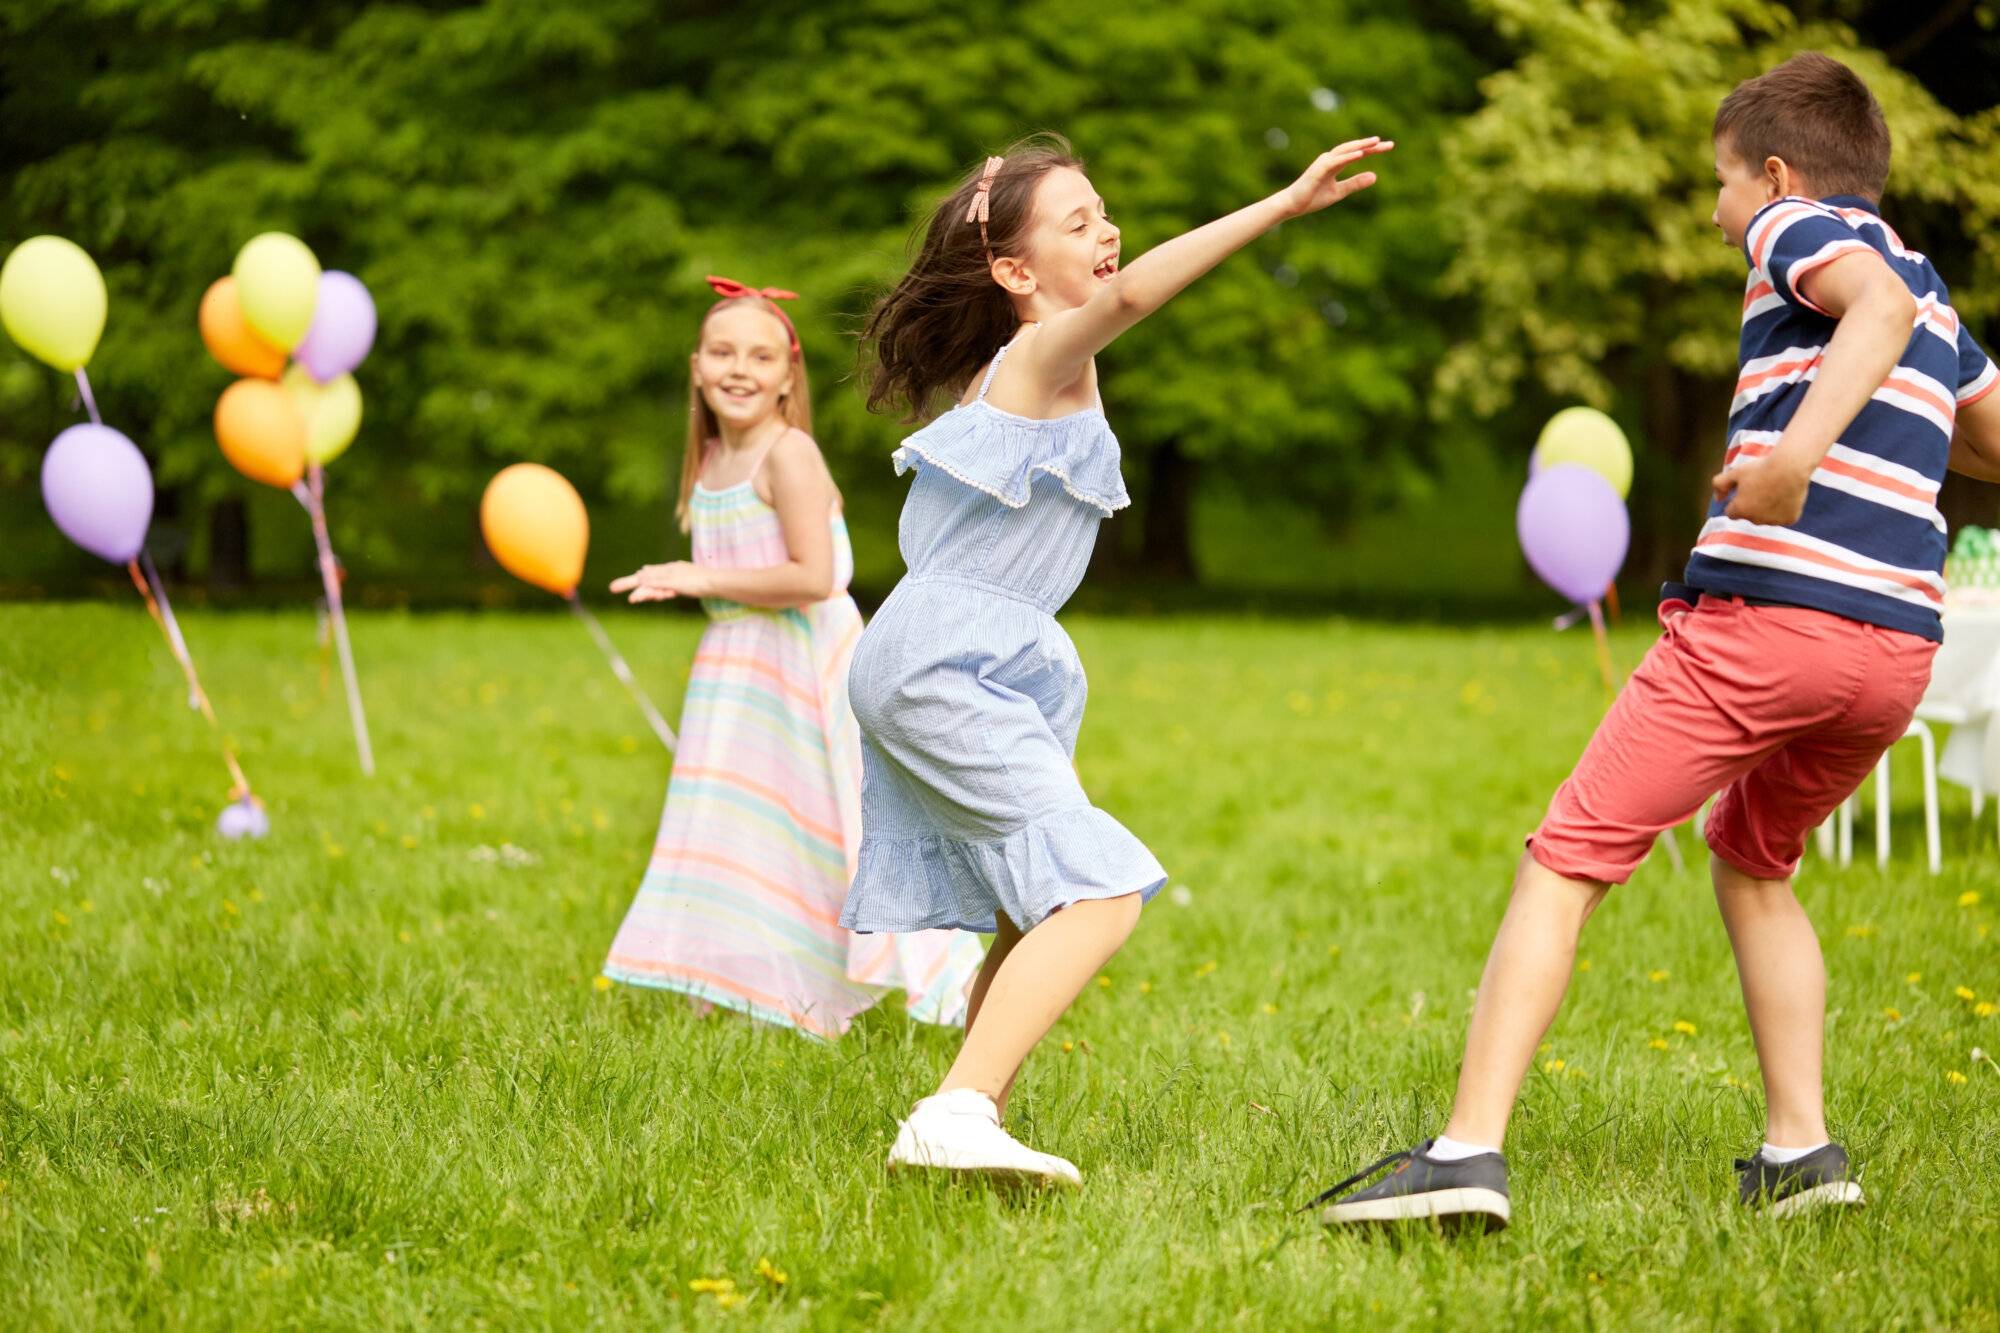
[[1871, 544]]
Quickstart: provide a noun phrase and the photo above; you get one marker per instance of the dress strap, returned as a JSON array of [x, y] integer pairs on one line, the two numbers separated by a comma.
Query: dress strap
[[765, 451], [1000, 356]]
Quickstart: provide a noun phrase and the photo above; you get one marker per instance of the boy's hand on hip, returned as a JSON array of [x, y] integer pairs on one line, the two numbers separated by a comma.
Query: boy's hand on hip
[[1771, 490]]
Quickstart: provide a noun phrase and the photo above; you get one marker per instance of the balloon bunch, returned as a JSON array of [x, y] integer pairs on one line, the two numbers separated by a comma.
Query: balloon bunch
[[535, 524], [95, 482], [1571, 519], [282, 425]]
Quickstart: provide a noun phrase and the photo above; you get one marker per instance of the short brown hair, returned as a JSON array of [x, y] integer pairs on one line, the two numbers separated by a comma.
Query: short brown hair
[[1817, 115], [947, 317]]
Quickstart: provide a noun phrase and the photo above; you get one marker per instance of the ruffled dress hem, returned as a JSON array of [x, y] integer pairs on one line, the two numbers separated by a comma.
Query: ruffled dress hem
[[932, 882]]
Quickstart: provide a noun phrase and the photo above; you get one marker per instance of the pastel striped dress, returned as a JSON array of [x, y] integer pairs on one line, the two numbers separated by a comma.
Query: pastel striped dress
[[740, 905]]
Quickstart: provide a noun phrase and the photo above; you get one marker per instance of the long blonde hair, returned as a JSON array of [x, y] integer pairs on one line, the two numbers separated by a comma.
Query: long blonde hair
[[794, 407]]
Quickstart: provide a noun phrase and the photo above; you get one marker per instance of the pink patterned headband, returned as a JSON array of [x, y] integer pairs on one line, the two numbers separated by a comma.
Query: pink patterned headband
[[729, 290], [982, 202]]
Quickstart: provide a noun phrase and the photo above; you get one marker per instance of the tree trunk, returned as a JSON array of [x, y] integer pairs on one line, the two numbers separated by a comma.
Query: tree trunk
[[1964, 501], [228, 544], [1686, 423], [1166, 548]]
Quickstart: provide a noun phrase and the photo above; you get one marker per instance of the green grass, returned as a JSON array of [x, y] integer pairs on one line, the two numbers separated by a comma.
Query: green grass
[[358, 1075]]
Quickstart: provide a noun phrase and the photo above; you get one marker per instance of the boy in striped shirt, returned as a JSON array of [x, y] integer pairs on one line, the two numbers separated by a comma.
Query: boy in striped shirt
[[1793, 656]]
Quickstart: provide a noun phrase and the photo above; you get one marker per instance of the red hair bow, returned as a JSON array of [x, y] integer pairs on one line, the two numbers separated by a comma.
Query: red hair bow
[[729, 290]]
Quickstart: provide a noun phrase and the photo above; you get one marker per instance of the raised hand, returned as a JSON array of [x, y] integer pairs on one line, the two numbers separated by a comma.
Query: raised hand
[[1320, 186]]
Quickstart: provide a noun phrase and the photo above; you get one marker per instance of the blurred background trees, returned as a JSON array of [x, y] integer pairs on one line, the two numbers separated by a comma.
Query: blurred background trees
[[533, 191]]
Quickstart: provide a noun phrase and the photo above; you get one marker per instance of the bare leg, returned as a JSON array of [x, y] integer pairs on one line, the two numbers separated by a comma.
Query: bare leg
[[1526, 976], [1034, 983], [1784, 989], [1005, 936]]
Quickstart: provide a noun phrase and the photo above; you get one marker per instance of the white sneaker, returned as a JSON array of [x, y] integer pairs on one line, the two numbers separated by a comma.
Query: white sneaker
[[960, 1131]]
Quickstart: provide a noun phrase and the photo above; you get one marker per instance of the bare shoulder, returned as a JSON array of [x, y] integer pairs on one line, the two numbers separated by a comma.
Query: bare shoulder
[[794, 462], [1042, 388]]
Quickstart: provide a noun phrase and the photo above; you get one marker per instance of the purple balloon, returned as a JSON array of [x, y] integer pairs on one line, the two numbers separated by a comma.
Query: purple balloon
[[343, 328], [1573, 529], [99, 491]]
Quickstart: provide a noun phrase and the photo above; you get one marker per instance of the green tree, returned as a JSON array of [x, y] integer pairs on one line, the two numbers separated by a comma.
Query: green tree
[[1585, 250], [533, 190]]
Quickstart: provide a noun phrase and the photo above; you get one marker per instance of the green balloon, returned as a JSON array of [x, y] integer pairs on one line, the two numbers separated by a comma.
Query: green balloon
[[1587, 436]]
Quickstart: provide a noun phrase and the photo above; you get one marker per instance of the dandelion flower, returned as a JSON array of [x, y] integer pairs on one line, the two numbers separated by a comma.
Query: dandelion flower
[[1914, 978], [1985, 1008], [1270, 1008], [1953, 1076], [1893, 1015], [1659, 1043], [600, 982], [1970, 898], [1583, 966], [1068, 1046], [1862, 931], [1964, 993], [770, 1273], [1684, 1027], [1103, 982], [1206, 968], [1553, 1066], [1658, 974], [1145, 988]]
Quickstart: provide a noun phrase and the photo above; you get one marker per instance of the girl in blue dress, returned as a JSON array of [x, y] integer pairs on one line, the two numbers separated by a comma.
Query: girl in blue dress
[[968, 692]]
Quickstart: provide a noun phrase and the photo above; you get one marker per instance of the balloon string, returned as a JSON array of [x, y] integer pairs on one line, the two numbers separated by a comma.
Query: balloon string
[[1603, 652], [155, 592], [624, 673], [89, 402], [313, 498]]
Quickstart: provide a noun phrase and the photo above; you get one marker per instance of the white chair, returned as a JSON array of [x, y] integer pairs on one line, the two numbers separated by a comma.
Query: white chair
[[1952, 715], [1844, 819]]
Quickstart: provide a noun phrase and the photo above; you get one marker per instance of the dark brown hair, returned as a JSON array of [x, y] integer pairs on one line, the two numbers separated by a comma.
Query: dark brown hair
[[1816, 114], [947, 316]]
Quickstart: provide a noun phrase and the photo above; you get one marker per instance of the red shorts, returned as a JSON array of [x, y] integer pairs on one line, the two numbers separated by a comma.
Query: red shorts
[[1781, 709]]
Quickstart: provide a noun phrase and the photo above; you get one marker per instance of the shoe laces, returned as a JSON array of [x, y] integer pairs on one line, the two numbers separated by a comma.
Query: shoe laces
[[1408, 1154]]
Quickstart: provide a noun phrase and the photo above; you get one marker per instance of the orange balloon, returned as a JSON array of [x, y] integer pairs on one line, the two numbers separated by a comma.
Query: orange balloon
[[261, 433], [230, 338], [535, 525]]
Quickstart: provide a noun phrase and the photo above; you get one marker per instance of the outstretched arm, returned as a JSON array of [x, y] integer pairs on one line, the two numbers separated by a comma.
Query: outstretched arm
[[1066, 342]]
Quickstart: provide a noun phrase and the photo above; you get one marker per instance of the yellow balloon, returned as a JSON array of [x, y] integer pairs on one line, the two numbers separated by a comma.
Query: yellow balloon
[[52, 301], [331, 411], [535, 525], [277, 284], [1587, 436]]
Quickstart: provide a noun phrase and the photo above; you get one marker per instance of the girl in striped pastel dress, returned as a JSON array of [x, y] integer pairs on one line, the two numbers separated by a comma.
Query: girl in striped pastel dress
[[740, 906]]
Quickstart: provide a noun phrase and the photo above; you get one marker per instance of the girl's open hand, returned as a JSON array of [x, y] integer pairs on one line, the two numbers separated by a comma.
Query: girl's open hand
[[657, 583], [1320, 187]]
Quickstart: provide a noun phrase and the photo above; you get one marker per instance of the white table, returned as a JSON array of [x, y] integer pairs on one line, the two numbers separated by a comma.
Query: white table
[[1965, 693]]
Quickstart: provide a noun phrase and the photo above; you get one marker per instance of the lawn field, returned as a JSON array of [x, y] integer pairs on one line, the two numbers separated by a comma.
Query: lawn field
[[360, 1074]]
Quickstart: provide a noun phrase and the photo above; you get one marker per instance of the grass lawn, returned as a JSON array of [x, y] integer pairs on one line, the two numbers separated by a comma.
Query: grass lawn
[[359, 1075]]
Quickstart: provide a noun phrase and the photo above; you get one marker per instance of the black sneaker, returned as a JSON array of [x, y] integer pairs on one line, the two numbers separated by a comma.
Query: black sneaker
[[1470, 1192], [1820, 1179]]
